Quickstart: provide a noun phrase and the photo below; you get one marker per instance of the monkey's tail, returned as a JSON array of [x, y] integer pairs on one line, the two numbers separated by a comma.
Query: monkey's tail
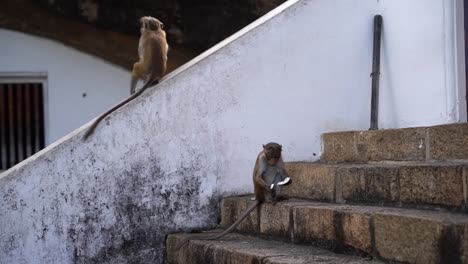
[[225, 232], [133, 96]]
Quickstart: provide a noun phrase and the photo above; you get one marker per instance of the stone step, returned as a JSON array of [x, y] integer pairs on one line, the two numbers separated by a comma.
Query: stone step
[[436, 143], [417, 185], [241, 249], [396, 234]]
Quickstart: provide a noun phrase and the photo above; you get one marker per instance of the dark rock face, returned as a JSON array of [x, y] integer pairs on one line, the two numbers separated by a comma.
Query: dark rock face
[[195, 22], [120, 15]]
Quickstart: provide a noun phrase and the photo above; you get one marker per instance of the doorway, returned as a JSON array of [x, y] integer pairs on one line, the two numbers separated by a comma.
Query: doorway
[[22, 126]]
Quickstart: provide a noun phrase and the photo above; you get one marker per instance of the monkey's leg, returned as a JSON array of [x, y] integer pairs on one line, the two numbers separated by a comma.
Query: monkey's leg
[[154, 82], [280, 180], [275, 188], [133, 84], [137, 74]]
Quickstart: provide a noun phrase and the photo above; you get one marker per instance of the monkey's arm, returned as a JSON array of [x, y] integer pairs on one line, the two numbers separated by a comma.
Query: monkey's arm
[[261, 171], [282, 170], [259, 179], [280, 166]]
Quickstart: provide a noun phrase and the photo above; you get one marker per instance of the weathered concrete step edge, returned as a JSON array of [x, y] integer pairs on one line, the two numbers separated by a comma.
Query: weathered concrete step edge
[[417, 185], [395, 234], [444, 142], [239, 249]]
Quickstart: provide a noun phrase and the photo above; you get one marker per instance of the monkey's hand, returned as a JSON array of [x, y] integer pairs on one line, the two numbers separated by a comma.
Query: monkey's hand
[[274, 194], [286, 181], [273, 191], [259, 180]]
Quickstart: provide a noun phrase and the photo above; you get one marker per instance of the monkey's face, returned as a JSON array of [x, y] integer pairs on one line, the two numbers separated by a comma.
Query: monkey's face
[[150, 23], [272, 152]]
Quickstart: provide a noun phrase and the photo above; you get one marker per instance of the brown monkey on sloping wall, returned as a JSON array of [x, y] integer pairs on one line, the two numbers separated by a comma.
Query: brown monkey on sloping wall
[[268, 176], [151, 67], [152, 50]]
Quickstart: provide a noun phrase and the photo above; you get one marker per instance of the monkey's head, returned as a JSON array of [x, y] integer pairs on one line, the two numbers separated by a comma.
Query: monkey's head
[[150, 23], [272, 152]]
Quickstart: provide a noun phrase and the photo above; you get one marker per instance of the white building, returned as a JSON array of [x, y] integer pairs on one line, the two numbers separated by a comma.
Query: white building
[[76, 86]]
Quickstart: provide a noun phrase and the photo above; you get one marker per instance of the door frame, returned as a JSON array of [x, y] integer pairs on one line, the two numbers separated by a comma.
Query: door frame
[[465, 32]]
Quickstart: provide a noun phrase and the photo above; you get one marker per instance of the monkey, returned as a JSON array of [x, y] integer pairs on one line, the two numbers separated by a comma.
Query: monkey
[[152, 64], [152, 52], [269, 175]]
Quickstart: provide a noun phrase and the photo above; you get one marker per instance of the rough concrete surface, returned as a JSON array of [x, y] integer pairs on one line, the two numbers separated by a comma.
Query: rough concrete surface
[[448, 142], [332, 226], [374, 145], [275, 219], [391, 144], [237, 249], [435, 143], [232, 208], [378, 184], [432, 185], [408, 184], [356, 228], [313, 181], [410, 240], [463, 237], [339, 146], [392, 233], [313, 223]]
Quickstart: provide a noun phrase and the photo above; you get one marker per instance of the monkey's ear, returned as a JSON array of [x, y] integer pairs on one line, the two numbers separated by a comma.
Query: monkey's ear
[[263, 146], [162, 25]]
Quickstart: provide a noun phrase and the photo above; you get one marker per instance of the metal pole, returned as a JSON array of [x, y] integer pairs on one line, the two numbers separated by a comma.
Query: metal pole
[[376, 73]]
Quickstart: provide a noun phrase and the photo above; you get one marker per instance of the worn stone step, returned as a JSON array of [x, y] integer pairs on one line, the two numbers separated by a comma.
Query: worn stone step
[[417, 185], [241, 249], [396, 234], [436, 143]]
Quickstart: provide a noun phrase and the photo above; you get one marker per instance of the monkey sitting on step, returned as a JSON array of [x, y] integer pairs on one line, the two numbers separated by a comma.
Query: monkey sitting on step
[[152, 51], [268, 176], [269, 173]]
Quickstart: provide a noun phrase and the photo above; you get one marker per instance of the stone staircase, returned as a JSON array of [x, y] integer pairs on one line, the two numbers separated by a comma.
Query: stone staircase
[[391, 196]]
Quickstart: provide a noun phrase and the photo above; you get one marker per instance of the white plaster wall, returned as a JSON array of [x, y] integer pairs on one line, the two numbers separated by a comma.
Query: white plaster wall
[[70, 73], [419, 64], [459, 54], [160, 163]]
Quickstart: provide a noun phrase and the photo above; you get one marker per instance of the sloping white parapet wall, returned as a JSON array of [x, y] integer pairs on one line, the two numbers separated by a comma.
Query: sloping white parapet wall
[[160, 164]]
